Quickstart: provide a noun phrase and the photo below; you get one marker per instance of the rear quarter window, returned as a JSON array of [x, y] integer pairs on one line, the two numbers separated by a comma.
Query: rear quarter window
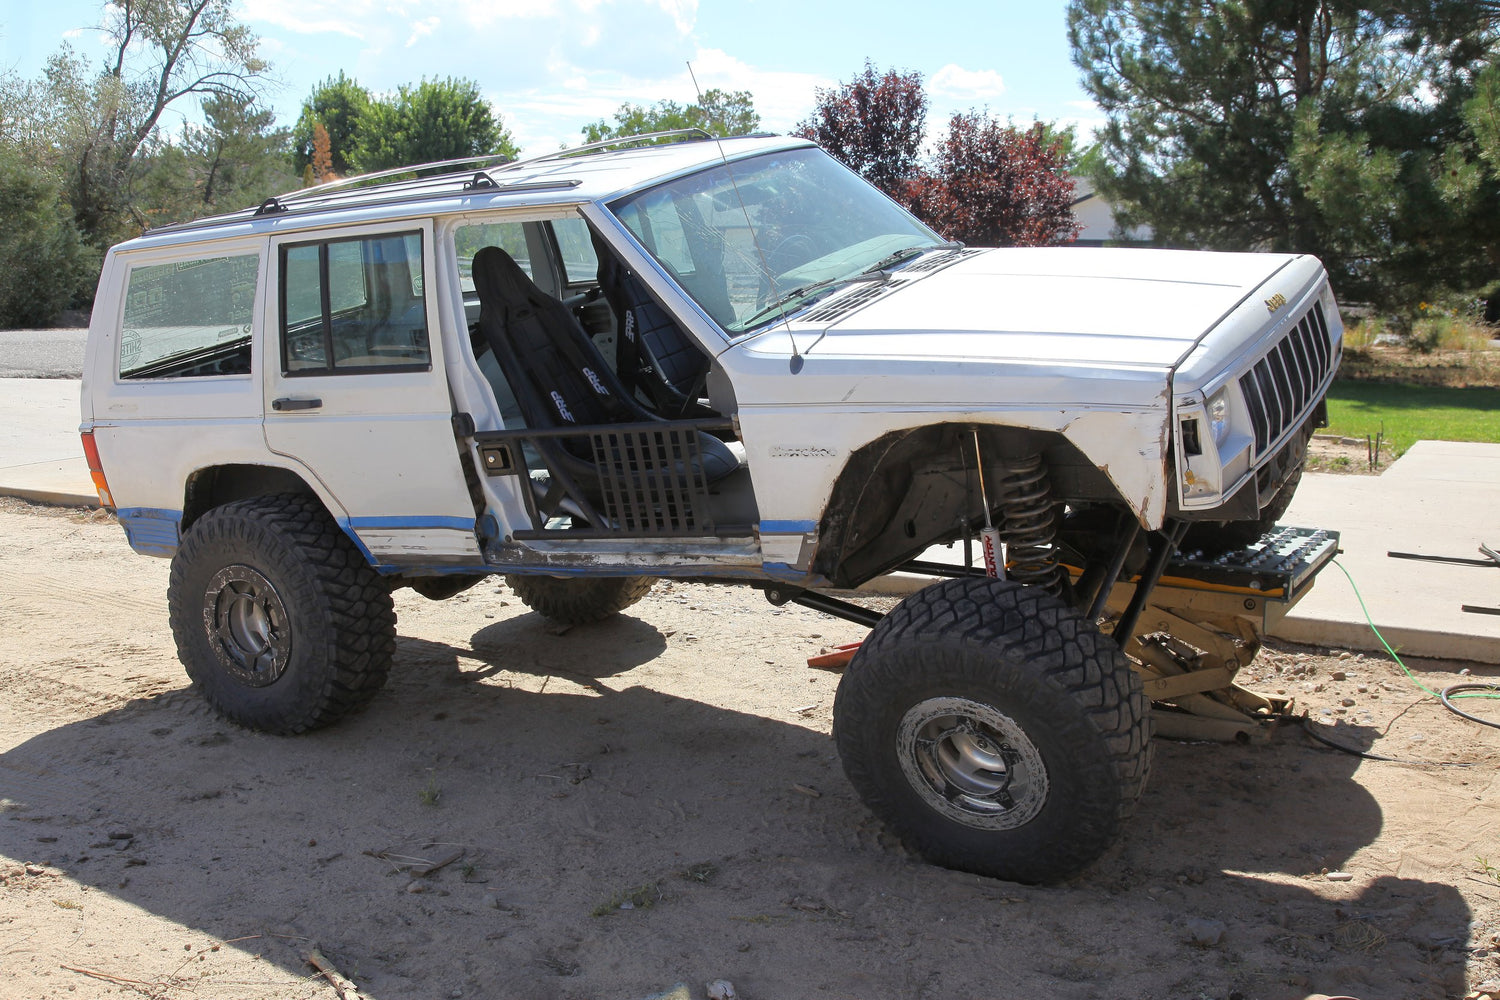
[[189, 318]]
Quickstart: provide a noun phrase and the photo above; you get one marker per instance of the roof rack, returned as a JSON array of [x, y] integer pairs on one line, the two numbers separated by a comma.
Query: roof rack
[[490, 175], [360, 179], [505, 163]]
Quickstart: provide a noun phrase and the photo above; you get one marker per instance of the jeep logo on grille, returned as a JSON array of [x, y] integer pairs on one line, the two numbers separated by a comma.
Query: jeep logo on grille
[[1275, 302]]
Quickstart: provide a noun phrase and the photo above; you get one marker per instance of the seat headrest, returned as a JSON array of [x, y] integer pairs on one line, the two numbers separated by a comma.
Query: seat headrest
[[498, 278]]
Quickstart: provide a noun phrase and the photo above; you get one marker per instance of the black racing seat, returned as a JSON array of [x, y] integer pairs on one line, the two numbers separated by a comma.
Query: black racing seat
[[558, 376], [652, 352]]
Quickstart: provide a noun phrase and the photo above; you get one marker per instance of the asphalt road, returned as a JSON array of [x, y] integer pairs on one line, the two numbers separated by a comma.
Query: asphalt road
[[41, 353]]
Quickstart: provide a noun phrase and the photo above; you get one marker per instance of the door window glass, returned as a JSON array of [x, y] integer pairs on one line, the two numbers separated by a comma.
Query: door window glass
[[576, 248], [354, 305]]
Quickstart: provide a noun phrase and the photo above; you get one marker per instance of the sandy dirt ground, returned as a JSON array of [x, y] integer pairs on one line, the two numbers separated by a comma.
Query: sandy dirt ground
[[607, 811]]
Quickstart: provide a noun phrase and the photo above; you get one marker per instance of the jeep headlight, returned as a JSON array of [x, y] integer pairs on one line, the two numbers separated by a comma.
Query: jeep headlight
[[1218, 415]]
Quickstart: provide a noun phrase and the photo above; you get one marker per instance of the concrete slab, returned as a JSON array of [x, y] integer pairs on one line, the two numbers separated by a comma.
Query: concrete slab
[[40, 455], [1439, 499]]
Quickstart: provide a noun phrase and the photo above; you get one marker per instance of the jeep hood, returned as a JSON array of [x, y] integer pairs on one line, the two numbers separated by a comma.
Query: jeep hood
[[1096, 307]]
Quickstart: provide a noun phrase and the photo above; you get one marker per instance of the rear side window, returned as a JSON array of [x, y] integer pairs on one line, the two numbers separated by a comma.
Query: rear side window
[[508, 236], [189, 318], [353, 305]]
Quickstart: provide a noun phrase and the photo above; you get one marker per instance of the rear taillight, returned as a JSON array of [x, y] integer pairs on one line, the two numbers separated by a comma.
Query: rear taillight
[[96, 469]]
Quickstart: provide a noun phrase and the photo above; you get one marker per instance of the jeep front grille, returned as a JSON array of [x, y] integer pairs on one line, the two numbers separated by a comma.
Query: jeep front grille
[[1283, 386]]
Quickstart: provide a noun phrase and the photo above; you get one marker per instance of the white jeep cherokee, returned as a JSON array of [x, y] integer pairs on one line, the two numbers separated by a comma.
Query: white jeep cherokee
[[730, 361]]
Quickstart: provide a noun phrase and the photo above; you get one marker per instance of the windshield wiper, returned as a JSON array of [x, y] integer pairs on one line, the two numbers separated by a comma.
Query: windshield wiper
[[904, 255], [805, 292]]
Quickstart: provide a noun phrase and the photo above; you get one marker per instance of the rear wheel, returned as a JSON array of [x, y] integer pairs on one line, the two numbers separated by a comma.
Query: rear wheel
[[994, 730], [579, 600], [278, 618]]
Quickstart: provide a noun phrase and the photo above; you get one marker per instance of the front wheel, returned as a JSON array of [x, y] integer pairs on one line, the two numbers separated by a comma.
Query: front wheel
[[994, 730], [278, 618]]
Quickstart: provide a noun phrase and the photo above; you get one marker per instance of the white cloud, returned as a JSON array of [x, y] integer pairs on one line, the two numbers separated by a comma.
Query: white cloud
[[958, 84], [421, 30], [570, 100], [684, 13], [311, 17], [484, 13], [782, 98]]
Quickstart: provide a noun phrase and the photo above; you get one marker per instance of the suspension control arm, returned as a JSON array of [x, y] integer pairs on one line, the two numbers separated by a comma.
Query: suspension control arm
[[822, 602]]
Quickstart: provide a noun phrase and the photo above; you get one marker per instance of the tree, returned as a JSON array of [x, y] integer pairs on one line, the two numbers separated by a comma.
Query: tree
[[1328, 126], [874, 124], [237, 158], [320, 170], [338, 104], [435, 120], [718, 112], [1482, 113], [996, 185], [97, 123], [44, 264]]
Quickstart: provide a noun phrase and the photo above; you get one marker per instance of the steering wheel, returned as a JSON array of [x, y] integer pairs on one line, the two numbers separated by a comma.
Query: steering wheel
[[791, 251]]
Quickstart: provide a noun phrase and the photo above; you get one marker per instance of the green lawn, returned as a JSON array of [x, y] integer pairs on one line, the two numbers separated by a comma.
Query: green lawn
[[1410, 413]]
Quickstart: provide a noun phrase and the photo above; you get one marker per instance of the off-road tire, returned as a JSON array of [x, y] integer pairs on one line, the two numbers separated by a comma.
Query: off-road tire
[[1015, 673], [278, 619], [579, 600]]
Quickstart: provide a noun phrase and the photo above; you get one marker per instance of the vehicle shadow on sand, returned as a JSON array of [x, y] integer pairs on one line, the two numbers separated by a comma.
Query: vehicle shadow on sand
[[558, 790]]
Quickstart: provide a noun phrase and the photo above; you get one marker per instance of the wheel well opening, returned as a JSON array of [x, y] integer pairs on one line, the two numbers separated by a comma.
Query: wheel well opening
[[215, 486], [919, 487]]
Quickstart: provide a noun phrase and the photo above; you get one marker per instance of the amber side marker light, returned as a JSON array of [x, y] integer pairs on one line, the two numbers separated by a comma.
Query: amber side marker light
[[96, 469]]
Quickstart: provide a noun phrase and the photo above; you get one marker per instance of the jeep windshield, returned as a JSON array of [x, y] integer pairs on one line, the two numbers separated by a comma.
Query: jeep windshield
[[754, 240]]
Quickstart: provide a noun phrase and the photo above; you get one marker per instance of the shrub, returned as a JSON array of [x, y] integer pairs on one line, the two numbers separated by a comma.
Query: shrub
[[1450, 328], [44, 264]]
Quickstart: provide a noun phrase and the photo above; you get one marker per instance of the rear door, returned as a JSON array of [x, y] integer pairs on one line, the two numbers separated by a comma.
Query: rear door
[[355, 390]]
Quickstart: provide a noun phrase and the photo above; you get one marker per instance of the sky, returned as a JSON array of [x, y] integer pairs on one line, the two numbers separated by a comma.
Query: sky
[[548, 67]]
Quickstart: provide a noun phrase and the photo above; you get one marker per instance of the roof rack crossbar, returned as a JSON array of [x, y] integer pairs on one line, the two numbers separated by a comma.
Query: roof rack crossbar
[[495, 159]]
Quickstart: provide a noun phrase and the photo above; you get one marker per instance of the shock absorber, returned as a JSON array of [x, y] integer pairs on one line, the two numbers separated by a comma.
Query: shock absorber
[[1030, 527]]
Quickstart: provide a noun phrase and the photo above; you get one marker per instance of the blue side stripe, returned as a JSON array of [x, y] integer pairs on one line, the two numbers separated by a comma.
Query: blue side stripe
[[787, 527], [151, 531], [454, 523]]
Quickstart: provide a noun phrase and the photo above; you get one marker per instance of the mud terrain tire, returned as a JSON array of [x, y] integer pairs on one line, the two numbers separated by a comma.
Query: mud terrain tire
[[994, 730], [278, 618], [579, 601]]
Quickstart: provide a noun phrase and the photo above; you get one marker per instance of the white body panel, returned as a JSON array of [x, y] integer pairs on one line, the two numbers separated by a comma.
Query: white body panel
[[153, 441], [381, 444]]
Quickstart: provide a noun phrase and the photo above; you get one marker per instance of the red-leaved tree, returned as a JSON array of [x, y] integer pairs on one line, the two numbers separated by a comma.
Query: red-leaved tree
[[873, 124], [995, 185]]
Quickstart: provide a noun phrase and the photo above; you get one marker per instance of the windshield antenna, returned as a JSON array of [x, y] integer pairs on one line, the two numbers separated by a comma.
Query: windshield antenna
[[765, 266]]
